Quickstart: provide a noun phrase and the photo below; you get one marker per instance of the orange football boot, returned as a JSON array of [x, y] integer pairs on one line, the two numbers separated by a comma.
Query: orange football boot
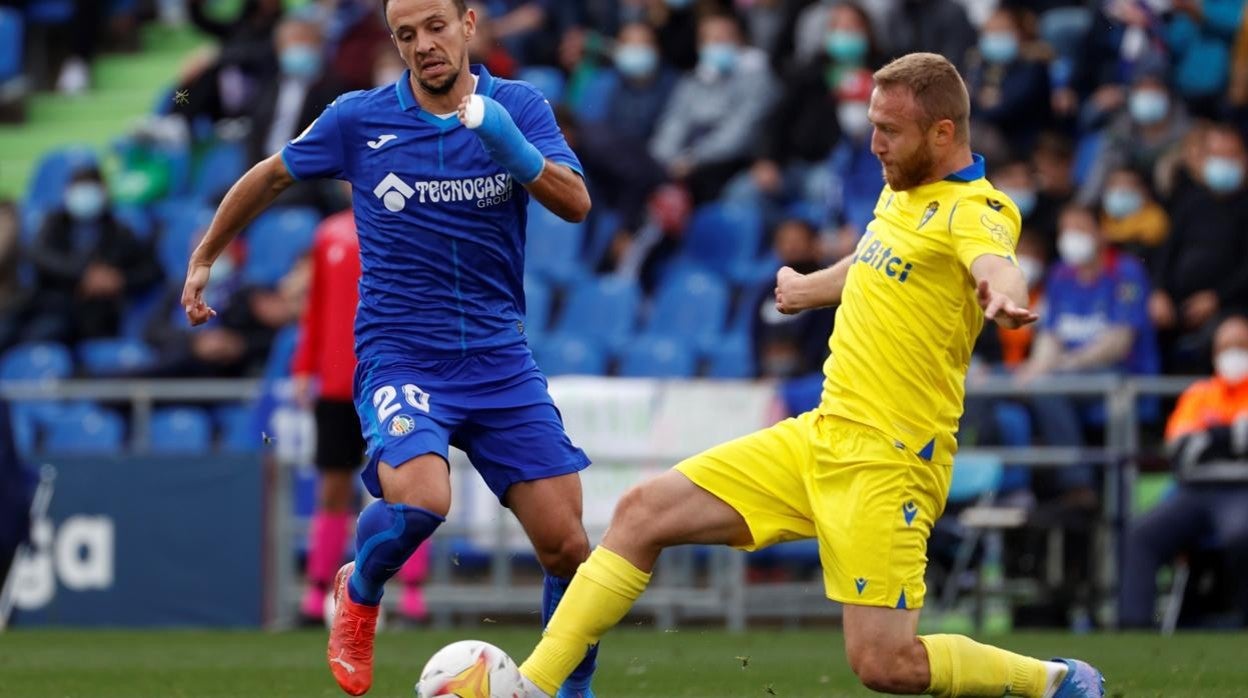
[[351, 636]]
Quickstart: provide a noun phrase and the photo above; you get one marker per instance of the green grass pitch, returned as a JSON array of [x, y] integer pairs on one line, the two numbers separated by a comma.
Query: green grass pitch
[[635, 663]]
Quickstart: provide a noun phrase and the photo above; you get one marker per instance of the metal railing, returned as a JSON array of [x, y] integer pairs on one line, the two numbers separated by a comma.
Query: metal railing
[[677, 593]]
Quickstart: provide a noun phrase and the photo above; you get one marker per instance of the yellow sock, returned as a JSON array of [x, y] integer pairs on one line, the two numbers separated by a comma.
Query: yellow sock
[[962, 667], [601, 593]]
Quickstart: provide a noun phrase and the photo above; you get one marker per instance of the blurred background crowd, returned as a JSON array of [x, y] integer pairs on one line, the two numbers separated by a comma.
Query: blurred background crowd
[[721, 139]]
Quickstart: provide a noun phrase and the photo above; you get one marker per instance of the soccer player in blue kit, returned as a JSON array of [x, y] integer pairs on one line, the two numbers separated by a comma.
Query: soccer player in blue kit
[[439, 331]]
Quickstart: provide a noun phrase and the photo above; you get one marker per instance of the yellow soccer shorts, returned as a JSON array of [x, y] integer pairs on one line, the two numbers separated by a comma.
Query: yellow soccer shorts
[[868, 500]]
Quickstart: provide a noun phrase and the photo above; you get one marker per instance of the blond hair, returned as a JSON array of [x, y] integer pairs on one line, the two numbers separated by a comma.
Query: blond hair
[[937, 88]]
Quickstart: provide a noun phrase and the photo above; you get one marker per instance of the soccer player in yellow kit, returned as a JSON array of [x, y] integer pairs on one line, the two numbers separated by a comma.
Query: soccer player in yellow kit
[[868, 471]]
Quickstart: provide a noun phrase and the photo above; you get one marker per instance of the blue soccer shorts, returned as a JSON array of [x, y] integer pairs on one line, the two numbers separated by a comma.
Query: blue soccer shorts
[[493, 405]]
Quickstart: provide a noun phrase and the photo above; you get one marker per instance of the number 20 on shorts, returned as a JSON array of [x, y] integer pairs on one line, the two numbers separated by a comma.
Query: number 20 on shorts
[[385, 399]]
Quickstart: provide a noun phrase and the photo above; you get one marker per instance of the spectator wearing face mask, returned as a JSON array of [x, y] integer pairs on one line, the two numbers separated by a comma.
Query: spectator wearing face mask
[[86, 264], [1201, 270], [708, 128], [799, 131], [1009, 80], [1149, 130], [1132, 220], [1209, 426], [675, 24], [614, 149], [855, 177], [786, 346], [1017, 179], [1095, 321]]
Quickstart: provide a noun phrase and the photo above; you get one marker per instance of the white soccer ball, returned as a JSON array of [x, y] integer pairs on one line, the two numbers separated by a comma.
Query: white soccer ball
[[470, 669]]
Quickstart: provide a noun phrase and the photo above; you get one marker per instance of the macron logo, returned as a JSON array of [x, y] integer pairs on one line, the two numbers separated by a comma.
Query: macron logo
[[382, 140], [393, 193]]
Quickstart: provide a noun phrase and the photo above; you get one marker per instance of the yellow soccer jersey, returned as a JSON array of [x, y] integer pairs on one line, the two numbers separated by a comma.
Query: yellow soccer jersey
[[909, 316]]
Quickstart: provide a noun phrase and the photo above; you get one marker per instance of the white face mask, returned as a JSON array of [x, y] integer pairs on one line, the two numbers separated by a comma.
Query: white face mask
[[852, 117], [1076, 247], [1231, 364], [1032, 268]]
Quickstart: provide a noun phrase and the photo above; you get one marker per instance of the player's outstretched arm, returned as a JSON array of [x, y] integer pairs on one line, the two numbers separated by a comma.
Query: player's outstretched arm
[[250, 195], [556, 186], [1002, 291], [797, 292]]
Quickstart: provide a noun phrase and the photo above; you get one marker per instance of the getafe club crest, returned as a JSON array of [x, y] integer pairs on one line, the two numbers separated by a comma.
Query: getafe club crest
[[929, 212]]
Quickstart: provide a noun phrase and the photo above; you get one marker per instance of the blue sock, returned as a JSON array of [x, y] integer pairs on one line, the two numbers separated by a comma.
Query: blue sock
[[386, 535], [552, 594]]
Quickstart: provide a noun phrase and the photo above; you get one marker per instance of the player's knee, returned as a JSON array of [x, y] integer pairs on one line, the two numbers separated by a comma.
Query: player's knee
[[877, 667], [634, 516], [562, 558]]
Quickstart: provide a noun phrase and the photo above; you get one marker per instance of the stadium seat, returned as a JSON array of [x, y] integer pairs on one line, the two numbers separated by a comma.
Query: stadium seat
[[281, 352], [553, 246], [50, 11], [36, 361], [180, 430], [602, 227], [974, 476], [32, 221], [731, 357], [181, 222], [237, 431], [722, 236], [689, 304], [85, 429], [657, 357], [137, 219], [594, 96], [547, 79], [46, 188], [603, 309], [113, 355], [275, 240], [25, 430], [537, 302], [801, 394], [11, 43], [570, 355], [217, 170]]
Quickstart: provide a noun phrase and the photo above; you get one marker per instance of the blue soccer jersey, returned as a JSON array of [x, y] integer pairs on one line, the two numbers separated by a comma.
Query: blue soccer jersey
[[441, 225]]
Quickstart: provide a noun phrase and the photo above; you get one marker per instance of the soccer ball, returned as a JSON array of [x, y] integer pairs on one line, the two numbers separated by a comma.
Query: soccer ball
[[470, 669]]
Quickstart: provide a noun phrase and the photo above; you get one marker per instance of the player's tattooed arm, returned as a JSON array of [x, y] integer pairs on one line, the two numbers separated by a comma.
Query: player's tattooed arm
[[797, 292], [250, 195]]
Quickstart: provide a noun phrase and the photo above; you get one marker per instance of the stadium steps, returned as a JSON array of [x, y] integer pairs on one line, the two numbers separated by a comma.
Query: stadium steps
[[126, 87]]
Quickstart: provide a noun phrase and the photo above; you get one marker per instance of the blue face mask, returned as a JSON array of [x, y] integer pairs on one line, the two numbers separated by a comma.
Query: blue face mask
[[1120, 202], [998, 47], [301, 61], [1025, 199], [85, 201], [1148, 106], [1223, 175], [720, 57], [636, 60], [846, 46]]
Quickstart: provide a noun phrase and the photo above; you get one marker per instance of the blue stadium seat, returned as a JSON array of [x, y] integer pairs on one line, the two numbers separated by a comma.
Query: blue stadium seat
[[137, 219], [50, 11], [570, 355], [25, 430], [281, 352], [275, 240], [603, 309], [801, 394], [553, 246], [32, 220], [723, 235], [547, 79], [689, 304], [603, 225], [237, 430], [180, 430], [217, 170], [657, 357], [974, 476], [537, 303], [595, 95], [731, 357], [85, 429], [11, 44], [181, 222], [36, 361], [47, 186], [111, 355]]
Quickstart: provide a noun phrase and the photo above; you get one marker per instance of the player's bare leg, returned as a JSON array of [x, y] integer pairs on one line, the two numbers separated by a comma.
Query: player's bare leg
[[664, 511], [416, 498], [887, 655], [550, 512]]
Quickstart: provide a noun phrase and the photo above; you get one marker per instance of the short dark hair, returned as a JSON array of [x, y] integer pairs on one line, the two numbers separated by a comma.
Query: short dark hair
[[461, 6]]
